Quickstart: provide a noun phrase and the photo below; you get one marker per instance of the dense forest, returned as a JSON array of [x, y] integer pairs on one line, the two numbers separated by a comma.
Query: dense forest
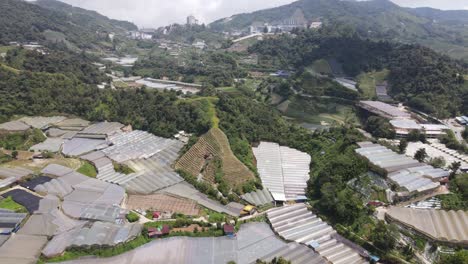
[[57, 60], [418, 76], [213, 68]]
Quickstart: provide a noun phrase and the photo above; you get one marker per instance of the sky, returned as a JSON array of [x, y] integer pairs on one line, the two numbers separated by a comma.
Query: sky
[[156, 13]]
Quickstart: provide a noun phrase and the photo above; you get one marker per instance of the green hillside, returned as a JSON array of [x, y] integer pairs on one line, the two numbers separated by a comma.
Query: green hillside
[[51, 21], [443, 31]]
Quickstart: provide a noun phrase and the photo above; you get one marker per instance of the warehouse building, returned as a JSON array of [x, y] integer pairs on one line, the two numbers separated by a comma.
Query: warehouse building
[[407, 173], [384, 110], [448, 227], [284, 171]]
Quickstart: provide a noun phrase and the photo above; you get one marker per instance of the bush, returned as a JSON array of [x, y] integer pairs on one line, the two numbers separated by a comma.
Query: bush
[[132, 217]]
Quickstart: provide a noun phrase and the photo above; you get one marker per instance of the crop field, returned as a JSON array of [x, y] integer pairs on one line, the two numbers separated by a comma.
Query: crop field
[[9, 204], [212, 146]]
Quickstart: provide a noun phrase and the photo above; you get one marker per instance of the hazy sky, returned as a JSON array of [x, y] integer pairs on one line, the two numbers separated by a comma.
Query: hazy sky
[[155, 13]]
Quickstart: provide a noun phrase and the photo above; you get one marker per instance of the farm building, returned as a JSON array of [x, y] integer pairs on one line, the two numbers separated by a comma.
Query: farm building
[[92, 234], [283, 171], [254, 241], [406, 172], [9, 176], [84, 197], [449, 227], [22, 249], [10, 221], [41, 122], [14, 127], [258, 197], [297, 223], [404, 126], [384, 110]]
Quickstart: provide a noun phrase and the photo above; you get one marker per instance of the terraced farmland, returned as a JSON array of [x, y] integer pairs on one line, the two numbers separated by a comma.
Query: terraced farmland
[[210, 147]]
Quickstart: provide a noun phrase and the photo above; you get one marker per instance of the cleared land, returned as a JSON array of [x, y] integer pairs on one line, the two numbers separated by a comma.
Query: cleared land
[[163, 202], [318, 111], [368, 81], [213, 146]]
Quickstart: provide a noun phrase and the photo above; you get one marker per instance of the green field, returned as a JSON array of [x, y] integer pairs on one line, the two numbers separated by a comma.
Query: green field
[[321, 67], [5, 49], [368, 81], [88, 169], [317, 112], [9, 204]]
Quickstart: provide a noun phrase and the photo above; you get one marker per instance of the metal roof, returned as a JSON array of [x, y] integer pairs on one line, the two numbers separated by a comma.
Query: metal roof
[[14, 126], [440, 225], [258, 197], [297, 223], [283, 171], [103, 128], [42, 122], [80, 146], [382, 108]]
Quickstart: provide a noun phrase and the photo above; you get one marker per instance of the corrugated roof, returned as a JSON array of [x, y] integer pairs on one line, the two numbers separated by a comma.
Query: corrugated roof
[[440, 225], [14, 126], [258, 197], [283, 171], [297, 223]]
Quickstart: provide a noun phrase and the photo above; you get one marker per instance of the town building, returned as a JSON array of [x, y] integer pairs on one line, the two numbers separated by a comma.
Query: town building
[[192, 20], [403, 128]]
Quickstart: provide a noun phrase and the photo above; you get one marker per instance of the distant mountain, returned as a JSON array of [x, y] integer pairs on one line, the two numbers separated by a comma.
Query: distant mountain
[[444, 31], [52, 21]]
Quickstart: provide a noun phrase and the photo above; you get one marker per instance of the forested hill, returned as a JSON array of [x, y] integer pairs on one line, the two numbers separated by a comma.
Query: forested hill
[[88, 18], [443, 31], [23, 21], [418, 76]]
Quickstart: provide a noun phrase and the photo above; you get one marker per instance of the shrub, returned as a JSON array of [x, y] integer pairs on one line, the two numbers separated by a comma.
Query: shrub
[[132, 217]]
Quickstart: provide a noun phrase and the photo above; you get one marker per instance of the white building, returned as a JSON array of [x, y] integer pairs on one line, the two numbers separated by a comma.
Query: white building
[[192, 20]]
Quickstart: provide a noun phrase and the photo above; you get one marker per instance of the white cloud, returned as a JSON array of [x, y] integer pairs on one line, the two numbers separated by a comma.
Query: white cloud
[[155, 13]]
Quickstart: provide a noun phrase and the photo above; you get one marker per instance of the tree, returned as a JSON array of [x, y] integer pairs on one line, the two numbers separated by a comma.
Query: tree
[[416, 135], [380, 127], [132, 217], [420, 155], [14, 154], [437, 162], [454, 167], [384, 237], [460, 257], [402, 146]]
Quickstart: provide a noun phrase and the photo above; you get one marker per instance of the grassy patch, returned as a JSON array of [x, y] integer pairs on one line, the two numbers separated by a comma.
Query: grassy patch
[[88, 169], [9, 204], [368, 81], [321, 66], [318, 111], [22, 141], [122, 168], [5, 49]]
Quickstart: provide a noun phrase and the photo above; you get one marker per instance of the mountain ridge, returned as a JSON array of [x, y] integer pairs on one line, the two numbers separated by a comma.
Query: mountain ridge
[[444, 31]]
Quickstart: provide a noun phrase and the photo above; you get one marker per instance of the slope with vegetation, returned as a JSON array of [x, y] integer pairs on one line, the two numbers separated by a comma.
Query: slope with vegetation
[[212, 157], [417, 76], [49, 21], [444, 31]]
